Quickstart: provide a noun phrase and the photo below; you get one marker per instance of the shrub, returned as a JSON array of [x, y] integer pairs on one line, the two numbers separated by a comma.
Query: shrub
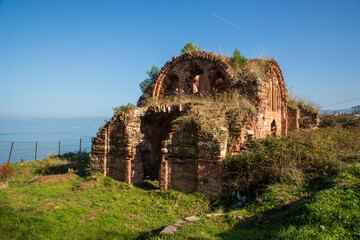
[[190, 47], [123, 108], [238, 60], [344, 121], [5, 172], [292, 158], [152, 75]]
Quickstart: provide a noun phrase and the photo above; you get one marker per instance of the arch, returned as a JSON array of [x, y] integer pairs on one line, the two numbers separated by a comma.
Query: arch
[[172, 83], [273, 128], [189, 75]]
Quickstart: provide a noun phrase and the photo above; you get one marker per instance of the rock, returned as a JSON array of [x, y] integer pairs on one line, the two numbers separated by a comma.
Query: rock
[[169, 230], [192, 218], [244, 199], [178, 223], [218, 214]]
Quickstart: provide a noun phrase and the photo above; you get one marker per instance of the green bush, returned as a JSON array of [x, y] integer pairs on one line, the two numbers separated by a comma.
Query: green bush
[[123, 108], [190, 47], [344, 121], [238, 60], [152, 75], [292, 158]]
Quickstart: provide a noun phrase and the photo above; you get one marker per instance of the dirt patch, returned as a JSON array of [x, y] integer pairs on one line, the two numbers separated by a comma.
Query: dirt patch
[[86, 185], [54, 178]]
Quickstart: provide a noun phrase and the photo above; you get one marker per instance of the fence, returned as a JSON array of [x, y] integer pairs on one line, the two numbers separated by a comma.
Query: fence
[[29, 151]]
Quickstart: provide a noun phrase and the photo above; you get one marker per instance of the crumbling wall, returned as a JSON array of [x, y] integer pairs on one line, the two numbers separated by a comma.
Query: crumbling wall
[[114, 150], [293, 119], [308, 119]]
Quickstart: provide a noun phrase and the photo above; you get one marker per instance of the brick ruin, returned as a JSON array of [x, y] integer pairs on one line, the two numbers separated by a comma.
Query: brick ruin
[[152, 141]]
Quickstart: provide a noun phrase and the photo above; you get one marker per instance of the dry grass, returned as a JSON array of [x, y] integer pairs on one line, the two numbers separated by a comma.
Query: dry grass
[[295, 101], [208, 112]]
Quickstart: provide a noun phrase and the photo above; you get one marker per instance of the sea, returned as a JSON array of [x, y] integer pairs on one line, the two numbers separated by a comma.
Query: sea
[[33, 139]]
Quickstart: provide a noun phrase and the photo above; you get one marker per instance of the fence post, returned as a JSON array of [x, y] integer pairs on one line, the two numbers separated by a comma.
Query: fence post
[[36, 150], [12, 145], [59, 147], [80, 146]]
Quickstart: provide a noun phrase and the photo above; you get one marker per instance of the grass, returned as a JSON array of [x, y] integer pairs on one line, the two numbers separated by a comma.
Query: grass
[[315, 201], [81, 207]]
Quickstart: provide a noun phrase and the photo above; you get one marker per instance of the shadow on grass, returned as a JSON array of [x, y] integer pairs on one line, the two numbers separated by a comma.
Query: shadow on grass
[[271, 224], [152, 233], [277, 220], [148, 185], [77, 162]]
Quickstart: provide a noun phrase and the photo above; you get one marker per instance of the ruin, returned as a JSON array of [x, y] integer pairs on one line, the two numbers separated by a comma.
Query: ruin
[[182, 143]]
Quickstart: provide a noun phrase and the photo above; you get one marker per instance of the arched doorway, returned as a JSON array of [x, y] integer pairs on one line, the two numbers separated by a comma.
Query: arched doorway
[[273, 128]]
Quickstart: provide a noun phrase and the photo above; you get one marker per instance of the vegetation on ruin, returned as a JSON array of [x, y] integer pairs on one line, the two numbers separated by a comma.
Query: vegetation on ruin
[[123, 108], [237, 60], [190, 47], [297, 102], [307, 187], [210, 111], [152, 75]]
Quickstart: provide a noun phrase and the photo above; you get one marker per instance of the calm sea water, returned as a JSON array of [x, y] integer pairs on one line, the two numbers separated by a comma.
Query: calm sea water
[[47, 133]]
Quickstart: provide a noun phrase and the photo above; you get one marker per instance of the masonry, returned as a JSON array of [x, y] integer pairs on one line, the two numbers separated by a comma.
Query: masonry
[[166, 140]]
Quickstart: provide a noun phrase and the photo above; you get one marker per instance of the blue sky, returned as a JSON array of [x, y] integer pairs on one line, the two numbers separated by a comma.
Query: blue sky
[[80, 58]]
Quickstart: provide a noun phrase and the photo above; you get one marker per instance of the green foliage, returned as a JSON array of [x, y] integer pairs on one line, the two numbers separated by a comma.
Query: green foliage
[[292, 158], [344, 121], [190, 47], [237, 60], [123, 108], [152, 75]]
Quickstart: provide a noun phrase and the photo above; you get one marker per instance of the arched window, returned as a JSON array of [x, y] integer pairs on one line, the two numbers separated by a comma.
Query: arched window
[[273, 128]]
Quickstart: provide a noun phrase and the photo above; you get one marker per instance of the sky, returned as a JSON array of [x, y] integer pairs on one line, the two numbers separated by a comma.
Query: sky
[[81, 58]]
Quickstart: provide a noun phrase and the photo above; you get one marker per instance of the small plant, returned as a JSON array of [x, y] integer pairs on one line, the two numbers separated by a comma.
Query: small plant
[[5, 172], [296, 102], [123, 108], [237, 60], [190, 47], [152, 75]]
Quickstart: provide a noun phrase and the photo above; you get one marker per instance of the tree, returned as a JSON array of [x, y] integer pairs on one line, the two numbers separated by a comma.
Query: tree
[[123, 108], [238, 60], [190, 47], [152, 75]]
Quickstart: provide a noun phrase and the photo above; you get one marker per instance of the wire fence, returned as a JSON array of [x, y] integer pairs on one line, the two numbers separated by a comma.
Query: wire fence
[[31, 151]]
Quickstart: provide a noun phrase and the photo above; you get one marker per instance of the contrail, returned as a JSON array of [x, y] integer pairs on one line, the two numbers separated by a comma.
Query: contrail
[[236, 26]]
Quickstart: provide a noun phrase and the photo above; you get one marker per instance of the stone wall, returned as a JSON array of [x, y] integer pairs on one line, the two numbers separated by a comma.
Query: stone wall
[[308, 119]]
